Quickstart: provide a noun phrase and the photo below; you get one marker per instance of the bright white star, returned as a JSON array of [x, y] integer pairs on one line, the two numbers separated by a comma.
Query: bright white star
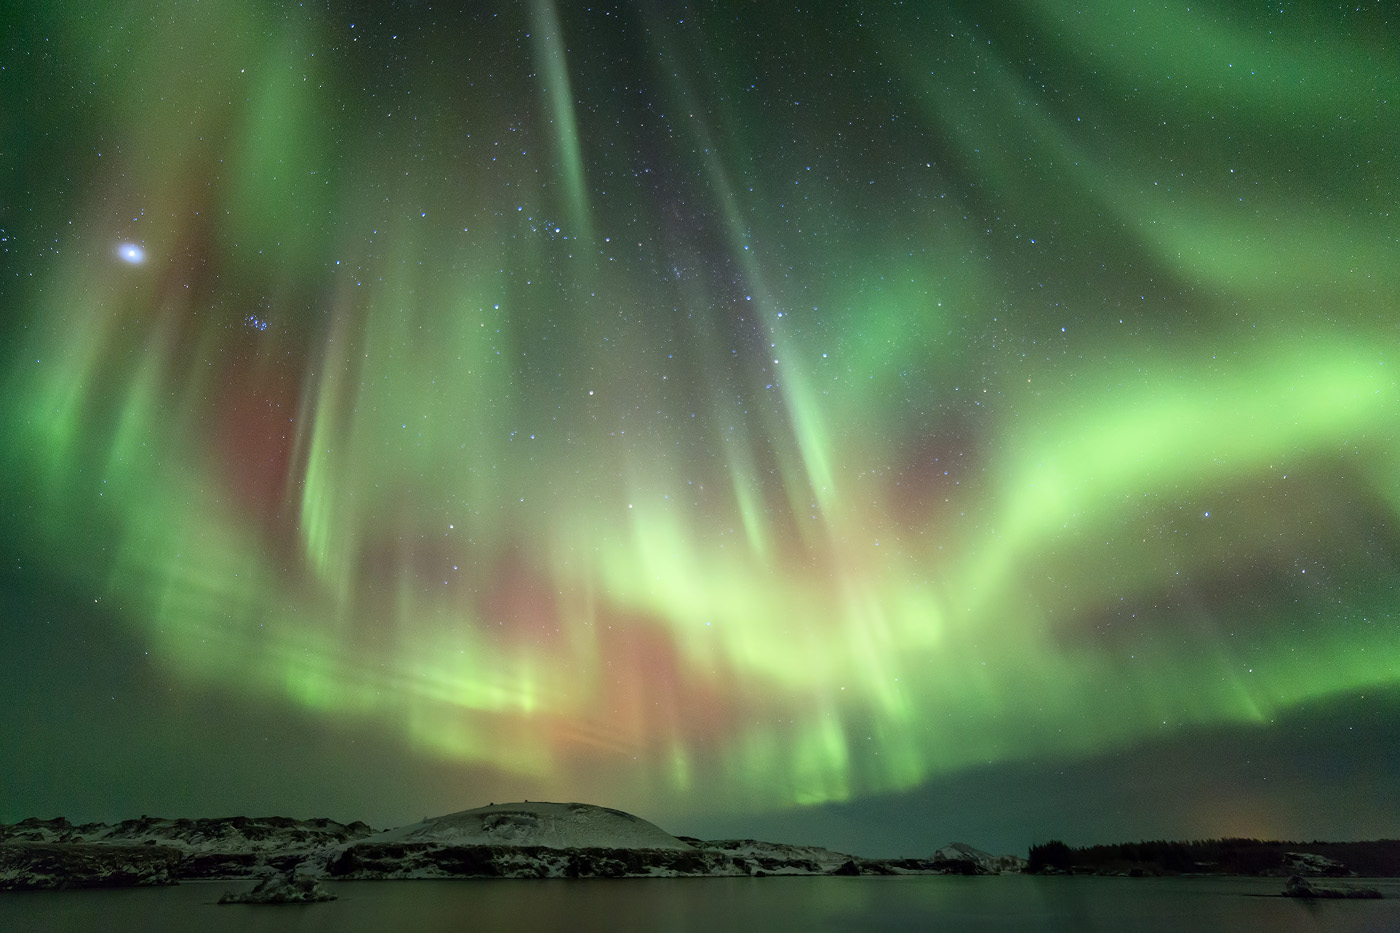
[[131, 253]]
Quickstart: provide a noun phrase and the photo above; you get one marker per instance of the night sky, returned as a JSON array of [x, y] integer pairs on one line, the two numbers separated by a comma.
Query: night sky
[[872, 424]]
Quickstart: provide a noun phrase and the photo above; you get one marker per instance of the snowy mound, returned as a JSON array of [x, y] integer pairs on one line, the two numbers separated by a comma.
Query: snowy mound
[[552, 825], [961, 851], [975, 861]]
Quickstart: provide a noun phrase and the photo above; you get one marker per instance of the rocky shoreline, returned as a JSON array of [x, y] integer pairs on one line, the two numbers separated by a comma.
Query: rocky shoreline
[[507, 841], [552, 840]]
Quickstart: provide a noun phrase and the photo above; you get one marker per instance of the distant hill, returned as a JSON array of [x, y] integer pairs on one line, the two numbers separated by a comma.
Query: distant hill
[[225, 835], [961, 858]]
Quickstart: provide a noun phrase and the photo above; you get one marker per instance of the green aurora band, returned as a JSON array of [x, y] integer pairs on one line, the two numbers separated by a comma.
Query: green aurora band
[[721, 410]]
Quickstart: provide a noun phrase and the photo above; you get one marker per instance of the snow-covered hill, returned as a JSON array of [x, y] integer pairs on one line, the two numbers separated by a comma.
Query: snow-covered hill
[[550, 825], [961, 858]]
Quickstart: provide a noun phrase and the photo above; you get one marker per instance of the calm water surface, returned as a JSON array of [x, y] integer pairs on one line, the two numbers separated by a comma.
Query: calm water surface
[[1009, 902]]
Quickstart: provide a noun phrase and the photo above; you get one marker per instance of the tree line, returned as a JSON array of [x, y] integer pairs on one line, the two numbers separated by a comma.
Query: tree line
[[1376, 859]]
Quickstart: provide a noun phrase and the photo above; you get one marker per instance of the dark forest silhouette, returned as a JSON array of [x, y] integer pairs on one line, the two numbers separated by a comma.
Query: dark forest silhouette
[[1376, 859]]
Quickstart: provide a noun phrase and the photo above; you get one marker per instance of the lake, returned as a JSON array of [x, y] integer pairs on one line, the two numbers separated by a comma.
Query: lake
[[1006, 902]]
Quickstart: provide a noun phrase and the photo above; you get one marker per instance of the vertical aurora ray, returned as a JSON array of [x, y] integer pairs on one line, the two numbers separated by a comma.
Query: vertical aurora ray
[[557, 89], [714, 415]]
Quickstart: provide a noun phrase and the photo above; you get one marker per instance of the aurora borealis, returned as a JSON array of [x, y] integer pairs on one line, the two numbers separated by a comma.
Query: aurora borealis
[[705, 410]]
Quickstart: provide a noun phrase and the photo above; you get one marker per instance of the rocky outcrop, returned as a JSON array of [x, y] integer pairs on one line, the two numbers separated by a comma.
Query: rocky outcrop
[[282, 889], [1308, 864], [373, 860], [33, 866], [775, 858], [1298, 886], [53, 853], [898, 866], [223, 835]]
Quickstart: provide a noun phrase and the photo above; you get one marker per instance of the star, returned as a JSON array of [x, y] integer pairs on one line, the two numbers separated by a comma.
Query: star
[[131, 253]]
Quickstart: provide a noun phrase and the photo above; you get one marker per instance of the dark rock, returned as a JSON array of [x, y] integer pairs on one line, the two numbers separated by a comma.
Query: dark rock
[[959, 866], [44, 866], [282, 889]]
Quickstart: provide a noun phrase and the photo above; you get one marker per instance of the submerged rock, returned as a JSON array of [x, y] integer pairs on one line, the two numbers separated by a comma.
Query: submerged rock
[[1298, 886], [282, 889]]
